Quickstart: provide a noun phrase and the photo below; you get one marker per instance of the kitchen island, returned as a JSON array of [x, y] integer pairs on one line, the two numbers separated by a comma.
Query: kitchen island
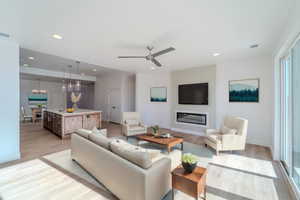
[[63, 123]]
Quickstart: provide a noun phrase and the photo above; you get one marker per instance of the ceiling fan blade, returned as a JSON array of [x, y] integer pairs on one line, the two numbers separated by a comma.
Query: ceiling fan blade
[[156, 62], [163, 51], [131, 57]]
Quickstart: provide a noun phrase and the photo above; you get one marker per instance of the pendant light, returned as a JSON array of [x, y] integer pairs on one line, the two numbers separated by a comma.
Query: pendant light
[[70, 85], [64, 87], [78, 83]]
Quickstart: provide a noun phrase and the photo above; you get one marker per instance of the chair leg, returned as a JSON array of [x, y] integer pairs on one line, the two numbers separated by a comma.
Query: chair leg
[[217, 152]]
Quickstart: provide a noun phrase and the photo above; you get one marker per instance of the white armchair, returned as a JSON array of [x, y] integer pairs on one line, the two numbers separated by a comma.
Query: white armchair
[[221, 141], [132, 124]]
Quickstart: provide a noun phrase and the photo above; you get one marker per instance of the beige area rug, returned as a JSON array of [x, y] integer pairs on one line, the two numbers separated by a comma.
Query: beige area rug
[[36, 180], [230, 176], [63, 160]]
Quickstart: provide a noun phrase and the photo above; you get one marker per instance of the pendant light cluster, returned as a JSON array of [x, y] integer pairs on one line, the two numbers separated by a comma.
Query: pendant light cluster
[[68, 84], [39, 91]]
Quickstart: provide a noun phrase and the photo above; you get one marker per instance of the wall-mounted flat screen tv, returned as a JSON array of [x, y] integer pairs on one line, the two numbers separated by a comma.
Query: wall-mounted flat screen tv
[[194, 94]]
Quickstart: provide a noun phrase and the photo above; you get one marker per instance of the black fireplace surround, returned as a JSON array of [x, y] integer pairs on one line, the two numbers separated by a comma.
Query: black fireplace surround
[[191, 118]]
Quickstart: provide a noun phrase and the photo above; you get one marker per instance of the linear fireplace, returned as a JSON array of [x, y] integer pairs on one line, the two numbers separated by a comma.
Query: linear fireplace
[[199, 119]]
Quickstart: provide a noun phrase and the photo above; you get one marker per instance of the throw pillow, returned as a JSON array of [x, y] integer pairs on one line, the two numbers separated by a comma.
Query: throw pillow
[[101, 131], [228, 131], [100, 140]]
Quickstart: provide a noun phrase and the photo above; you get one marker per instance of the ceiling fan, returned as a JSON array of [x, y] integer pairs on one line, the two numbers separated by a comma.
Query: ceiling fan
[[152, 56]]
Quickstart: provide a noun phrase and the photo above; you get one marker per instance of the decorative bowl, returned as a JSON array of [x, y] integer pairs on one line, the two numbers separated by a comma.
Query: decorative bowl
[[70, 110]]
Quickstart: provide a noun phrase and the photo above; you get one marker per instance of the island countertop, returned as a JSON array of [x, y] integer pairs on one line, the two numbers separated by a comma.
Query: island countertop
[[76, 112], [63, 123]]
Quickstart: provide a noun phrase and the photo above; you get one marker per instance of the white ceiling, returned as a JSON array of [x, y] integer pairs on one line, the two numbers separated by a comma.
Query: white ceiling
[[56, 63], [97, 31]]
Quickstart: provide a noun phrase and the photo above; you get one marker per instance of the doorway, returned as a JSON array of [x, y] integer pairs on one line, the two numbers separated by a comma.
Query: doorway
[[114, 106]]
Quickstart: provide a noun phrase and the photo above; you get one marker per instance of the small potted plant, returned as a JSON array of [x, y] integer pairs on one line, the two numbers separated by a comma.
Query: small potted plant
[[155, 130], [189, 162]]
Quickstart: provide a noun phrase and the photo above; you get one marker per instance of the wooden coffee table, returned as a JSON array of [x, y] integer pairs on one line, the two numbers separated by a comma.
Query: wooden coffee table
[[192, 184], [167, 142]]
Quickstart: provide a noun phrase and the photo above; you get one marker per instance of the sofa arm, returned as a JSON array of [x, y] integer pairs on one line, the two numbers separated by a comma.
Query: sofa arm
[[212, 131], [158, 179]]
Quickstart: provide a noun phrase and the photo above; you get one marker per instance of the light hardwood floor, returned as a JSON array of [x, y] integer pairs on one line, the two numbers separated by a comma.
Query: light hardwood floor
[[250, 174]]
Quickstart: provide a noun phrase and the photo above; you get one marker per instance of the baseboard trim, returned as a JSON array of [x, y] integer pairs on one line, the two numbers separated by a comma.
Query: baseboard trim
[[188, 131], [292, 189]]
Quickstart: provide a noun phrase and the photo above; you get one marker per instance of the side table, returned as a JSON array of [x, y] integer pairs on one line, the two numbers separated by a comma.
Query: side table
[[192, 184]]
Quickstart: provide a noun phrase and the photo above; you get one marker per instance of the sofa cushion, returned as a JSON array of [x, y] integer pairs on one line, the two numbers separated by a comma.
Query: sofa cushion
[[100, 140], [132, 153], [101, 131], [83, 132], [228, 131], [136, 127]]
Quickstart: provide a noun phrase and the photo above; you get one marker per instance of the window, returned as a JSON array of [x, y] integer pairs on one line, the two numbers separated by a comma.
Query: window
[[290, 113]]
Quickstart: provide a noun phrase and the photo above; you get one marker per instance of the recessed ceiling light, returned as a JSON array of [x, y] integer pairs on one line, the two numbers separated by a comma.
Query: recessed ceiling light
[[25, 65], [152, 68], [216, 54], [56, 36], [94, 70], [254, 46], [31, 58]]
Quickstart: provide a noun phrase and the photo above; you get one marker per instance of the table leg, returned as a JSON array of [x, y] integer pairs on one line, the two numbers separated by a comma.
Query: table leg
[[169, 149], [182, 146], [205, 193], [172, 194]]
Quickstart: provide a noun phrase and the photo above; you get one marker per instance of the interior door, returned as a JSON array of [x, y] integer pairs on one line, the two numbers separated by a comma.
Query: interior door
[[114, 106]]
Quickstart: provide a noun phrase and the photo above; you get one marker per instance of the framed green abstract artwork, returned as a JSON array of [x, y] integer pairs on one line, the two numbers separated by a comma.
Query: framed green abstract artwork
[[246, 90], [158, 94]]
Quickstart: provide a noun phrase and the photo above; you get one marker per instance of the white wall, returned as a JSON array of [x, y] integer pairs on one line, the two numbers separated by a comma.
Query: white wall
[[122, 82], [9, 100], [153, 113], [56, 97], [260, 115], [205, 74], [128, 93]]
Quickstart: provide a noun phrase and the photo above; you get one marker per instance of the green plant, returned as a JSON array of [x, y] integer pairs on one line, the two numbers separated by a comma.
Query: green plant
[[155, 129], [189, 158]]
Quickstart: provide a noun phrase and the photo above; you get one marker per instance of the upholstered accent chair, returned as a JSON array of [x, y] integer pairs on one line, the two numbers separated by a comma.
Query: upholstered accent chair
[[231, 136], [132, 124]]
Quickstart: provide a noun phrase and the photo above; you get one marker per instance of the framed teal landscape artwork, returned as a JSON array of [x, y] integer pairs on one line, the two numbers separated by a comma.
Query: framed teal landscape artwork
[[158, 94], [246, 90]]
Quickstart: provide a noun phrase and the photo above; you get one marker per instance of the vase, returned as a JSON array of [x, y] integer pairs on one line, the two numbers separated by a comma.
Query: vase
[[188, 167], [155, 134], [75, 107]]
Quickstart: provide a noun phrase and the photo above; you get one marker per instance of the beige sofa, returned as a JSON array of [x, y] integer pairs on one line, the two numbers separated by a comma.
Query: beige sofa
[[132, 177], [228, 142], [132, 124]]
